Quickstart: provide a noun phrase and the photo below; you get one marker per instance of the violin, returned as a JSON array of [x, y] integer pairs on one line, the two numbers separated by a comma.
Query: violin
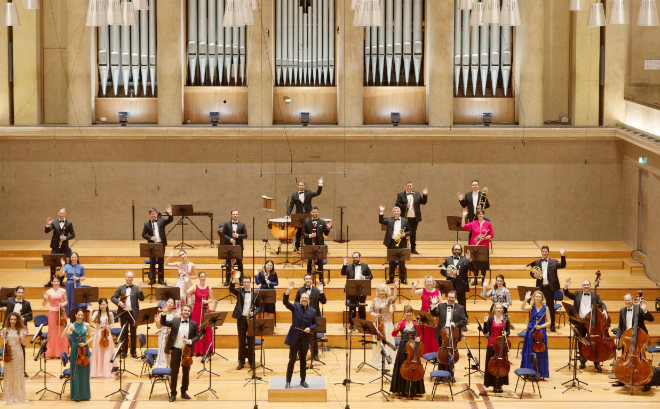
[[499, 365], [449, 337], [104, 343], [7, 352], [537, 335], [633, 368], [186, 356], [600, 345], [81, 356], [412, 368]]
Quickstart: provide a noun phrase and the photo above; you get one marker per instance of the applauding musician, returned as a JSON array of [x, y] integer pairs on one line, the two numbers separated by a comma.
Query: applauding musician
[[303, 324], [314, 231], [547, 280], [302, 200], [412, 201], [184, 333], [233, 233], [154, 232]]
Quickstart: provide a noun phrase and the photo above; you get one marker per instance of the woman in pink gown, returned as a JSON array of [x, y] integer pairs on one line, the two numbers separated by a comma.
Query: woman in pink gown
[[100, 365], [427, 334], [203, 295], [55, 298], [482, 234]]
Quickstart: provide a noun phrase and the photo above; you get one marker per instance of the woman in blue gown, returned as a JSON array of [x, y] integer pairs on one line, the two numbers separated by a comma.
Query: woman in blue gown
[[75, 274], [539, 319]]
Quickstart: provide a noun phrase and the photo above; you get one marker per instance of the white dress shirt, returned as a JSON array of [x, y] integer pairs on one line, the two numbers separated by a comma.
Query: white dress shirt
[[234, 226], [397, 228], [585, 305], [411, 202], [154, 225], [62, 224], [18, 306], [544, 267], [629, 318], [127, 304], [475, 201], [301, 196], [450, 310], [247, 303], [184, 329], [358, 272]]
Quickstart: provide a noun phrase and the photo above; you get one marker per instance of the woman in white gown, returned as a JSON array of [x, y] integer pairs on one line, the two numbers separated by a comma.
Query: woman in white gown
[[380, 309], [167, 308], [185, 272]]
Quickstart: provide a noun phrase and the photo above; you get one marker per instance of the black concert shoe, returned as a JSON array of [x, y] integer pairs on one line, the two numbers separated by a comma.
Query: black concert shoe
[[287, 385], [162, 282], [151, 282], [172, 397], [582, 364], [184, 395], [304, 384], [404, 281], [389, 281], [552, 328], [414, 251], [647, 387], [598, 367], [240, 366], [134, 355], [226, 284]]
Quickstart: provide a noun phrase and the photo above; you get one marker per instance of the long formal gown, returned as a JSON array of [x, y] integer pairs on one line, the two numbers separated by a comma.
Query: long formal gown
[[204, 342], [100, 365], [183, 282], [398, 384], [70, 270], [79, 374], [427, 333], [163, 359], [542, 357], [495, 329], [14, 383], [263, 285], [56, 344], [377, 305]]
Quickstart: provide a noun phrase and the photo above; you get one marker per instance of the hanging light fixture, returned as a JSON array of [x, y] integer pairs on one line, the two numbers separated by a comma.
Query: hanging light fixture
[[31, 4], [491, 12], [114, 13], [510, 13], [648, 13], [619, 12], [465, 4], [233, 17], [10, 16], [367, 13], [141, 4], [575, 5], [246, 12], [355, 4], [477, 14], [128, 13], [96, 14], [596, 15]]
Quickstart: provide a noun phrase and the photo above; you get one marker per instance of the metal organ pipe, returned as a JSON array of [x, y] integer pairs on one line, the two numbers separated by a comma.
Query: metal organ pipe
[[389, 38], [457, 46], [417, 38], [103, 57], [202, 51], [212, 50], [192, 40], [407, 38]]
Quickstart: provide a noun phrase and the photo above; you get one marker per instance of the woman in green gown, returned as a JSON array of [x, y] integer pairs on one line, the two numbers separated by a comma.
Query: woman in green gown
[[79, 374]]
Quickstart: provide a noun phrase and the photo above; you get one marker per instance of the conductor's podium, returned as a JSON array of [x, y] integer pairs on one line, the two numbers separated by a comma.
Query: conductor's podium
[[315, 393]]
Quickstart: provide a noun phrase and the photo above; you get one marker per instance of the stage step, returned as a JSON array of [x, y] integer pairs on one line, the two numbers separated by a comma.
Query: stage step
[[316, 392]]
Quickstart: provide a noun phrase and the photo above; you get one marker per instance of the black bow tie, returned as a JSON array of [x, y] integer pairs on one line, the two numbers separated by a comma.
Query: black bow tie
[[456, 258], [629, 309], [586, 294], [19, 302], [234, 222], [544, 261], [184, 322]]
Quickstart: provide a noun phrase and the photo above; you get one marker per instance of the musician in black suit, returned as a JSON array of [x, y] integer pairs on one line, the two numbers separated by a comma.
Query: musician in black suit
[[59, 242], [356, 271], [548, 280], [303, 324], [471, 200], [184, 334], [630, 313], [19, 305], [455, 269], [302, 200], [316, 297], [154, 232], [127, 297], [396, 237], [314, 231], [247, 306], [449, 314], [583, 302], [232, 234], [411, 202]]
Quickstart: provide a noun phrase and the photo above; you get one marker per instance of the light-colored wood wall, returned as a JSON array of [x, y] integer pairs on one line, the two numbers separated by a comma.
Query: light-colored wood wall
[[231, 102], [379, 102], [469, 110], [320, 102], [140, 110]]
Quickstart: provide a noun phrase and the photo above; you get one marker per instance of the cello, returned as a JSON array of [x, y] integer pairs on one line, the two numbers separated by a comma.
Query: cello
[[412, 368], [600, 346], [449, 338], [499, 365], [633, 368]]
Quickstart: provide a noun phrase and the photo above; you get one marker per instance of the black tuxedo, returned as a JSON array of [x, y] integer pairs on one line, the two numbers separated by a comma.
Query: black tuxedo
[[297, 340], [418, 200], [354, 300], [553, 282], [467, 203], [321, 231], [637, 313], [26, 313], [460, 282], [245, 343], [136, 297], [391, 244], [147, 234], [55, 246], [302, 206], [175, 363], [226, 236], [458, 317], [577, 299], [315, 299]]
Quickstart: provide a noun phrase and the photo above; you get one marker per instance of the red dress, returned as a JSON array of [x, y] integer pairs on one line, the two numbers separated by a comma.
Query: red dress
[[427, 334], [204, 342], [485, 228]]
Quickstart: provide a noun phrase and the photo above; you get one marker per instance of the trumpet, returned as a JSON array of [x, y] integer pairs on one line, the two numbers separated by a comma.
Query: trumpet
[[397, 238], [482, 199]]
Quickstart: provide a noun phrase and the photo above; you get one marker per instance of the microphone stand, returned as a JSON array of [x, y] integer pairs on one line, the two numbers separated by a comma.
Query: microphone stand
[[122, 368], [41, 368], [41, 354], [477, 366], [209, 355]]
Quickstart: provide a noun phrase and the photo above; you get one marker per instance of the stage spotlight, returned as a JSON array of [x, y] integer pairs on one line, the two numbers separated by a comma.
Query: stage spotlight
[[487, 118], [214, 117], [395, 118], [123, 118], [304, 118]]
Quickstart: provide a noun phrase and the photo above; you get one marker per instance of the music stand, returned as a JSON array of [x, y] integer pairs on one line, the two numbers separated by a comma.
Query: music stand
[[146, 316], [366, 327], [455, 223], [574, 318], [230, 252], [522, 291], [315, 252], [85, 295], [121, 368], [479, 255], [53, 260], [260, 327], [444, 286], [575, 382], [152, 250], [297, 221], [211, 320], [41, 356], [5, 293], [165, 293], [399, 255]]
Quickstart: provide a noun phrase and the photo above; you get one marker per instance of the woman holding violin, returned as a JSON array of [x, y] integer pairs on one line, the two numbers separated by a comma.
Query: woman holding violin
[[381, 310], [427, 293], [203, 296], [14, 336], [498, 346], [166, 309], [55, 298], [536, 339], [405, 376], [102, 343], [79, 357]]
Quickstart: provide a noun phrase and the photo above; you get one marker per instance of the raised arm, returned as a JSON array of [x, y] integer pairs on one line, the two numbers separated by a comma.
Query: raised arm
[[285, 297]]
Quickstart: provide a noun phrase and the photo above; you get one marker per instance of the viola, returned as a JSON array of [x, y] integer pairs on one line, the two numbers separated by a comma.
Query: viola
[[104, 343], [448, 337], [499, 365], [600, 345], [537, 335], [633, 368], [81, 356], [412, 368]]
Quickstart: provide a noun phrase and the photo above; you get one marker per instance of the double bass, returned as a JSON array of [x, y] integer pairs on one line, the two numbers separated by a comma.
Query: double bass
[[633, 368], [600, 345], [499, 365]]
